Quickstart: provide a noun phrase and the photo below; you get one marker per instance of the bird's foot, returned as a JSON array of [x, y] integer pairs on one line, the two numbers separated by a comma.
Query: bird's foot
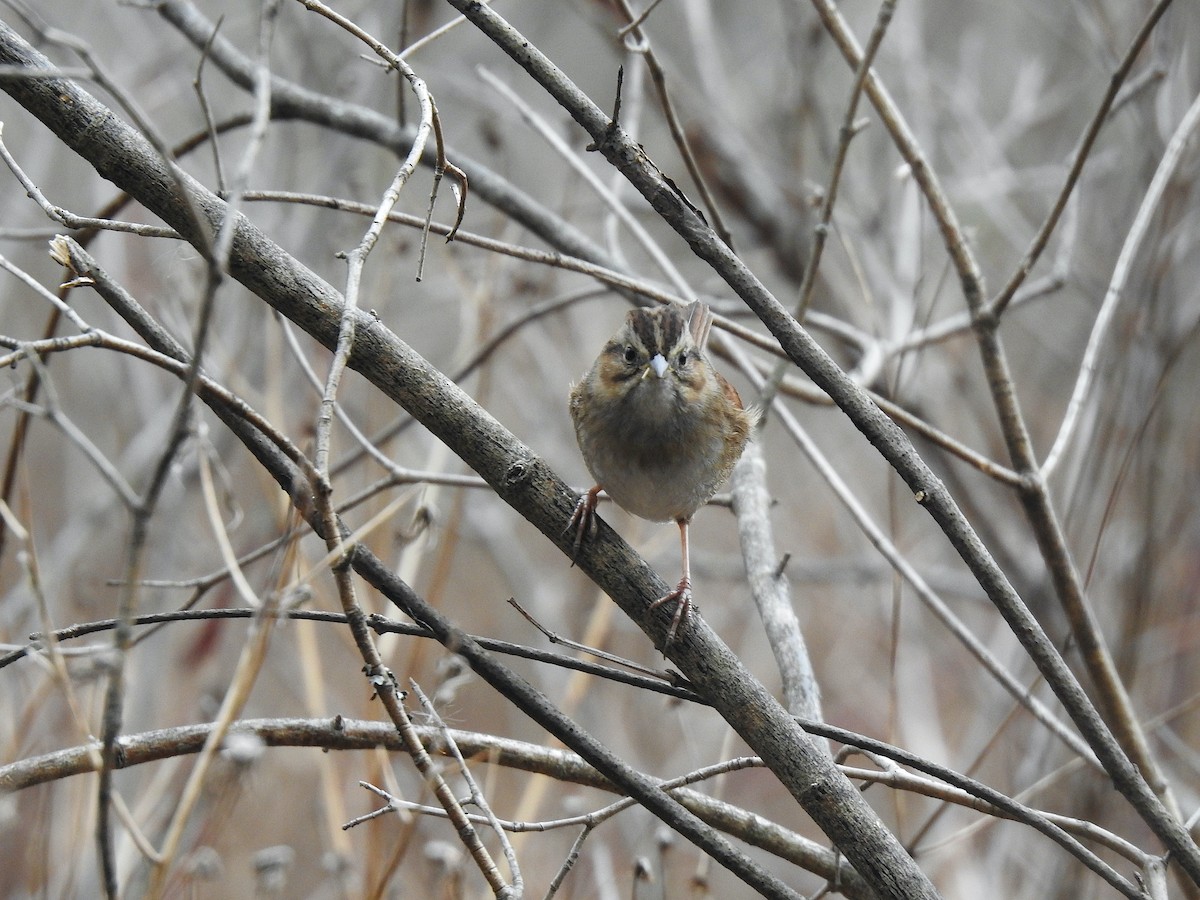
[[683, 595], [582, 521]]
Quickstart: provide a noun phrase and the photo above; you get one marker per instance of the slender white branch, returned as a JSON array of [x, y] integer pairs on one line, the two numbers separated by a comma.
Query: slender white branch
[[1129, 251]]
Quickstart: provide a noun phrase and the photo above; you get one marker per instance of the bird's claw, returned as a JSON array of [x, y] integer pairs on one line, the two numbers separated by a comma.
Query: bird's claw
[[582, 522], [682, 594]]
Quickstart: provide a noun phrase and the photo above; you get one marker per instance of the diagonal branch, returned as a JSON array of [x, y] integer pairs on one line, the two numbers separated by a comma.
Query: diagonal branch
[[296, 477], [519, 477], [627, 156]]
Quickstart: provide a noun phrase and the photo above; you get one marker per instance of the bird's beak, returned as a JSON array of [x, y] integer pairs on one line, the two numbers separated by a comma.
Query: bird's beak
[[658, 363]]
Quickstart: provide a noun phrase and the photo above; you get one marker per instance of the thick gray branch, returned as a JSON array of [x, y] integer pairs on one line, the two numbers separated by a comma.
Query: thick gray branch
[[519, 477], [667, 200]]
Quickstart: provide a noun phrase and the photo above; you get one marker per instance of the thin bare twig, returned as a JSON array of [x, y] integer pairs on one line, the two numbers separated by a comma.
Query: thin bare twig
[[560, 146], [638, 41], [555, 638], [142, 514], [1132, 245], [845, 135], [1000, 302], [380, 676], [1119, 743], [68, 218], [477, 796], [245, 675]]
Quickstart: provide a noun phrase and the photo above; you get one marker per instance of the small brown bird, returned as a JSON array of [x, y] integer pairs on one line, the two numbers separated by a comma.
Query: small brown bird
[[658, 426]]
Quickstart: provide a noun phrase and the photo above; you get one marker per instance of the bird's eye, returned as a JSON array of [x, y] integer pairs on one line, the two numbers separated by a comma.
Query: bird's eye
[[683, 357], [630, 354]]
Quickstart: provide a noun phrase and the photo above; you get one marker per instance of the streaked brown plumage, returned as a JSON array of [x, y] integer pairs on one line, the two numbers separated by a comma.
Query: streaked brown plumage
[[658, 426]]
